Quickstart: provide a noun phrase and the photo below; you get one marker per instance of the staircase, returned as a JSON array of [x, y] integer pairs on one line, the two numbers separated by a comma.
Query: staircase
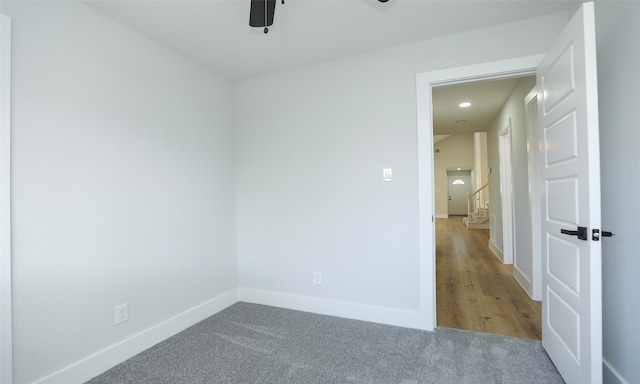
[[477, 220], [477, 216]]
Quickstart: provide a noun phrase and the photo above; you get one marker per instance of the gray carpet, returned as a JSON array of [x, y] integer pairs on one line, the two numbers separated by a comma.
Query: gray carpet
[[249, 343]]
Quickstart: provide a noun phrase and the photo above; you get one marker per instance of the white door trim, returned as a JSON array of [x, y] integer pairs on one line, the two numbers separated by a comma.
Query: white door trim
[[533, 148], [426, 204], [6, 354], [506, 195]]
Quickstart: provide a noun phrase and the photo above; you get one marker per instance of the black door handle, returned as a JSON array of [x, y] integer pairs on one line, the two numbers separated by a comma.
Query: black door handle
[[581, 233]]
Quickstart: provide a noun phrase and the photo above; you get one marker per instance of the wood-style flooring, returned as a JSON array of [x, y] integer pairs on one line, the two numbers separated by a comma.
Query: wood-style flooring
[[474, 290]]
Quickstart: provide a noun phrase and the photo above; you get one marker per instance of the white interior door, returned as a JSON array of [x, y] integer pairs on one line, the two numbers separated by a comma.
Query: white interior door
[[458, 195], [570, 177]]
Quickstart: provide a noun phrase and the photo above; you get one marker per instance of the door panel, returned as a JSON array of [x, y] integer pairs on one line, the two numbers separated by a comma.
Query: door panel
[[559, 79], [562, 132], [562, 204], [564, 322], [571, 271], [565, 267], [458, 195]]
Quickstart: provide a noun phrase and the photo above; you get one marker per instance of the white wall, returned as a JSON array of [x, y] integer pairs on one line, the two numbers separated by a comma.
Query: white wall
[[618, 50], [312, 143], [514, 110], [456, 151], [123, 191]]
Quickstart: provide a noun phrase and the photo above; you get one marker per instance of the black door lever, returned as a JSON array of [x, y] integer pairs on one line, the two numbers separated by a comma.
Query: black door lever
[[581, 233]]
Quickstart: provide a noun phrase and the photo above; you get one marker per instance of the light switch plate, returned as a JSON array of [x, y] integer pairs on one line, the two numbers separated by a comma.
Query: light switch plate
[[387, 174]]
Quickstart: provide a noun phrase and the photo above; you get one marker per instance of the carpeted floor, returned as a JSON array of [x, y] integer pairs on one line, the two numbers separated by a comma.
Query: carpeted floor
[[249, 343]]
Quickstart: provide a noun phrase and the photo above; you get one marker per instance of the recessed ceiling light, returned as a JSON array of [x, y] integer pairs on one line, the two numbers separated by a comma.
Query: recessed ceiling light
[[466, 104]]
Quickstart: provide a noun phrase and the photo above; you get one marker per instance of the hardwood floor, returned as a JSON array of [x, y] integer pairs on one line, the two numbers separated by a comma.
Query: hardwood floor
[[474, 290]]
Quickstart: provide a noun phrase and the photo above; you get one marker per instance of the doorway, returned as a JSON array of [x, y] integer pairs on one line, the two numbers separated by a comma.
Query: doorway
[[426, 82], [458, 190], [475, 290]]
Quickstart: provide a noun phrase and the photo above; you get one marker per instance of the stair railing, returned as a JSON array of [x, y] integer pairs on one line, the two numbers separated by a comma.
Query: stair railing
[[472, 205]]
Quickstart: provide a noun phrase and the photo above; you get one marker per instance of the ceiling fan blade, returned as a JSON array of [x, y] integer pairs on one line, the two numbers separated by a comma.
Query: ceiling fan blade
[[257, 13]]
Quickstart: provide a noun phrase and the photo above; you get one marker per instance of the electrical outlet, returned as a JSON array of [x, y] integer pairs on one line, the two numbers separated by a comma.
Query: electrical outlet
[[317, 278], [122, 313]]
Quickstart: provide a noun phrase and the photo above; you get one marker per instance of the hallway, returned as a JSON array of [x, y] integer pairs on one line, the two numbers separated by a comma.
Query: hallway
[[474, 290]]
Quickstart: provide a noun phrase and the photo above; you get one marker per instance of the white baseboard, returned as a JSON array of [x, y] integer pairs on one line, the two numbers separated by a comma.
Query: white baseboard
[[93, 365], [442, 216], [610, 375], [349, 310], [496, 251], [523, 281]]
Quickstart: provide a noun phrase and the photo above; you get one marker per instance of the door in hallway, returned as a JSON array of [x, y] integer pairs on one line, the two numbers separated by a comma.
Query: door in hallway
[[458, 190]]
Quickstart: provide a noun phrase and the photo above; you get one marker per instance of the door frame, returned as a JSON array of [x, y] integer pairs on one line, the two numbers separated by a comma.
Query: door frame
[[425, 82], [506, 195], [6, 351], [535, 205]]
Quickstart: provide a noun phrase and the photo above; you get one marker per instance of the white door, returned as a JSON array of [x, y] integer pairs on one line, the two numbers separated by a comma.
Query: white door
[[458, 195], [570, 181]]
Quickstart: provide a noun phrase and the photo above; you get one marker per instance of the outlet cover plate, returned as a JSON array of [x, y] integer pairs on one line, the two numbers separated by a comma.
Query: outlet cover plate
[[122, 313]]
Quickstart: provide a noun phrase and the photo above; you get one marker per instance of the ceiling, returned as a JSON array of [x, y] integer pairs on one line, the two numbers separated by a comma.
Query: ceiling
[[486, 98], [216, 33]]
